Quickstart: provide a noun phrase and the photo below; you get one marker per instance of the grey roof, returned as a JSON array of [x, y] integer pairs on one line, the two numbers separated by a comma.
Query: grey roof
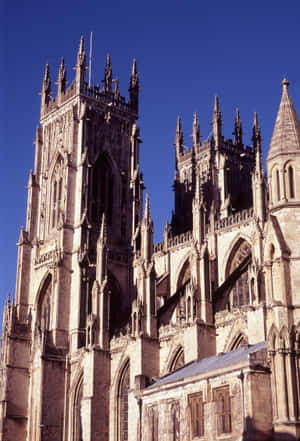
[[210, 363]]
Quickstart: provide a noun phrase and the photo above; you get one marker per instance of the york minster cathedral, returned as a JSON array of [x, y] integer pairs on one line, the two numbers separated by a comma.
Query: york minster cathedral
[[111, 337]]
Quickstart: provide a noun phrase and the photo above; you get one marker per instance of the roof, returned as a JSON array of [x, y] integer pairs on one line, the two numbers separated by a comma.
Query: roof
[[210, 363], [286, 133]]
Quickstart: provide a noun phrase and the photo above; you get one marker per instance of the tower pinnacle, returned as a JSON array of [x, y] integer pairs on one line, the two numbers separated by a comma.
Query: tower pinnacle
[[134, 88], [108, 77], [238, 133], [217, 122], [196, 131]]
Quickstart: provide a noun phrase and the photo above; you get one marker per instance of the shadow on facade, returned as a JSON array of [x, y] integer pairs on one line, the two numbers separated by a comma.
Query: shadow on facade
[[253, 434]]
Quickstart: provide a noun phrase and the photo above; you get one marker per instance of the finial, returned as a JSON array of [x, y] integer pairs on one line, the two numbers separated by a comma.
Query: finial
[[285, 83]]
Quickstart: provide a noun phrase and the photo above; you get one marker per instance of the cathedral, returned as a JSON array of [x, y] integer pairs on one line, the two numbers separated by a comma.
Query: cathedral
[[111, 337]]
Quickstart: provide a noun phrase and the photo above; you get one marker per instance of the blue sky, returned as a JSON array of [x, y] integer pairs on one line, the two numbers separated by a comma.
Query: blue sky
[[186, 53]]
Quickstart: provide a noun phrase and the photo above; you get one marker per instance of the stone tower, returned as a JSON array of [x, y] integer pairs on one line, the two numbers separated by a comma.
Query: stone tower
[[74, 283]]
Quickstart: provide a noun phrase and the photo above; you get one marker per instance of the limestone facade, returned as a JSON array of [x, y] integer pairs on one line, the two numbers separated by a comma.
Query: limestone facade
[[113, 338]]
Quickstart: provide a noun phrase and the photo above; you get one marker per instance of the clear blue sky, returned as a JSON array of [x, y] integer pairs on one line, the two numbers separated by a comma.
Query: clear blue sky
[[186, 51]]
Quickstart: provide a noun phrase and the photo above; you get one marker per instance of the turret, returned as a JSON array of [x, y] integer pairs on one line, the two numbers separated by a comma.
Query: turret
[[217, 123], [284, 153], [134, 89], [46, 90], [80, 67]]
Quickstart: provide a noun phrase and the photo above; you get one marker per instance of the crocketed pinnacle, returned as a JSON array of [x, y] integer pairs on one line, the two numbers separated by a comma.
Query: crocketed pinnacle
[[196, 130], [81, 53], [103, 232], [286, 133], [134, 79], [147, 215], [238, 132]]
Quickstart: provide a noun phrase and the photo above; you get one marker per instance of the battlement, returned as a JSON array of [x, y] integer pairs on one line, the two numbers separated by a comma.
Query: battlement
[[237, 218], [109, 94]]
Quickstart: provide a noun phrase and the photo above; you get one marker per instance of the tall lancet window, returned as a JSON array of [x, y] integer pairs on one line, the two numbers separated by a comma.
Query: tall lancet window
[[45, 305], [56, 193], [102, 190], [291, 184], [123, 405]]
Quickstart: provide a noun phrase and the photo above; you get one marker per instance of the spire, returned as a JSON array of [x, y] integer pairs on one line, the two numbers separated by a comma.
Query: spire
[[238, 133], [134, 88], [108, 77], [286, 133], [179, 138], [196, 131], [62, 78], [217, 122]]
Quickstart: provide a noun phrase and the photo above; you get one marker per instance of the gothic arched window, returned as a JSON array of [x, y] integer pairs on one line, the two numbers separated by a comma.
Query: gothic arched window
[[240, 293], [277, 185], [56, 193], [44, 308], [102, 190], [178, 360], [175, 422], [291, 183], [123, 404], [78, 423]]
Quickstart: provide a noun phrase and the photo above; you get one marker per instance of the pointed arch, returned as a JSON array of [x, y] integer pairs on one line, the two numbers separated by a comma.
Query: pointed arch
[[240, 293], [238, 341], [122, 402], [177, 360], [76, 408], [44, 302]]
